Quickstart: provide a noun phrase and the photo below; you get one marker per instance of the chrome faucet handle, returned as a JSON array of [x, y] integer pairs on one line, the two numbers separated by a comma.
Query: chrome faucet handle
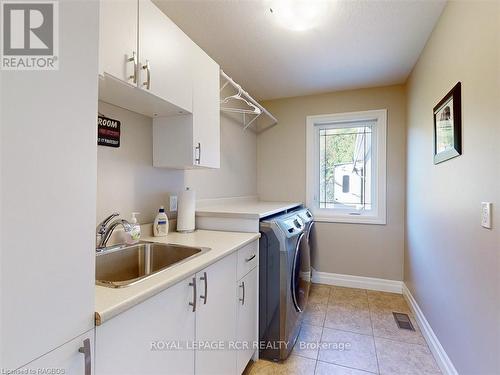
[[101, 228], [108, 230], [127, 226]]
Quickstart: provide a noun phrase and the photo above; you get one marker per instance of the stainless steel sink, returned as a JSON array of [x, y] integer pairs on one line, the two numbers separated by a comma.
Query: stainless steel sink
[[121, 266]]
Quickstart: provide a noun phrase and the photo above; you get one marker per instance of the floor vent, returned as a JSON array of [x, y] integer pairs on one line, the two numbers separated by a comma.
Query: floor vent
[[403, 321]]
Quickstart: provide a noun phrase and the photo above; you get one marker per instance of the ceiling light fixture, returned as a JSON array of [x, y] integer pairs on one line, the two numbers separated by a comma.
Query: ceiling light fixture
[[298, 15]]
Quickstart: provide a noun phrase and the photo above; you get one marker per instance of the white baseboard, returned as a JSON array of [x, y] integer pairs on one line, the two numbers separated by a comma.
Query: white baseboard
[[435, 346], [361, 282]]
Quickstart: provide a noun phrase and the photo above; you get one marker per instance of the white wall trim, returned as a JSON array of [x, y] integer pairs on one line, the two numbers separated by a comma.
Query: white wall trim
[[435, 346], [350, 281]]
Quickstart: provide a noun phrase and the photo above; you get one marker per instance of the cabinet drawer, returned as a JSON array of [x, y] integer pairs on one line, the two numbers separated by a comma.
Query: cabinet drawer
[[66, 359], [248, 257]]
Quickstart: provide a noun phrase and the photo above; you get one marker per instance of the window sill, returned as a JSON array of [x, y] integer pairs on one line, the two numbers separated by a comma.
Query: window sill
[[351, 219]]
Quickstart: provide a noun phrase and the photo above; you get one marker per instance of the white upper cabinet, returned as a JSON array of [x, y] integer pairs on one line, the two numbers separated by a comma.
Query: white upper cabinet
[[206, 109], [164, 57], [168, 77], [192, 141], [118, 39], [141, 47]]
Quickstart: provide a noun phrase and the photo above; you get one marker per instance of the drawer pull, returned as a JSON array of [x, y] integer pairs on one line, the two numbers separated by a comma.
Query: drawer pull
[[193, 284], [251, 258], [242, 300], [133, 59], [85, 350], [147, 68], [205, 296], [197, 154]]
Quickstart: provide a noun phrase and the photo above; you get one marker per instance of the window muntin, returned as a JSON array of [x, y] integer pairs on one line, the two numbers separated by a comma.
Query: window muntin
[[346, 166]]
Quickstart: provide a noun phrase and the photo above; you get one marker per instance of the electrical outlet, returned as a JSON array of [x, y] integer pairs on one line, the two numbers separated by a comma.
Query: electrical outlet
[[173, 203], [486, 214]]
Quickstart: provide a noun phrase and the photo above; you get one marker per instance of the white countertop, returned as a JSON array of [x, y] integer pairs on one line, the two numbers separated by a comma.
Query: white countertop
[[247, 207], [110, 302]]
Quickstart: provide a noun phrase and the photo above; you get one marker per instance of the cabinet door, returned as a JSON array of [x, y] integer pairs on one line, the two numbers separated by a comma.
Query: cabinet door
[[192, 141], [247, 318], [173, 142], [216, 317], [206, 109], [164, 53], [150, 338], [67, 359], [47, 272], [118, 38]]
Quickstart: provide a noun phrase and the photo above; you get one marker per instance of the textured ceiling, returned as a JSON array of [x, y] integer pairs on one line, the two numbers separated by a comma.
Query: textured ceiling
[[353, 44]]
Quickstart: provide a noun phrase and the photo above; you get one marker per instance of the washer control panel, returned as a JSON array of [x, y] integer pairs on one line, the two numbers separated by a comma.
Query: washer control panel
[[305, 215], [292, 225]]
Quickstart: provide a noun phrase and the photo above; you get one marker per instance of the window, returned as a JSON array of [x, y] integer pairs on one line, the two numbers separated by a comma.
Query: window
[[346, 155]]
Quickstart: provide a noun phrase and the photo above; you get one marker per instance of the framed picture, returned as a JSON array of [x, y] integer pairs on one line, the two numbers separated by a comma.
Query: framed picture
[[448, 126]]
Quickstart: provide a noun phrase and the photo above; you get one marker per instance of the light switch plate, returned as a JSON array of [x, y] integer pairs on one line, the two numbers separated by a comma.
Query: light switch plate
[[173, 203], [486, 214]]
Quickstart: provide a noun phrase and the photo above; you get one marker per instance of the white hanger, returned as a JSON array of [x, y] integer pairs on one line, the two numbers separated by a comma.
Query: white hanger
[[255, 111]]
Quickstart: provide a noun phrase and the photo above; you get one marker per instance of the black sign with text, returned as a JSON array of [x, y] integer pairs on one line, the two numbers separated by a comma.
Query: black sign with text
[[108, 132]]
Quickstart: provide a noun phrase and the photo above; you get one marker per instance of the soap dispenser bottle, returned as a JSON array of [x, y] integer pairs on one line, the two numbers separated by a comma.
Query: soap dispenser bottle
[[135, 232], [160, 226]]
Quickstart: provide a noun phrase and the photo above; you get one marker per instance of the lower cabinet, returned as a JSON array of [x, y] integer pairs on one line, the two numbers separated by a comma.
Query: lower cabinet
[[153, 337], [216, 316], [197, 326], [76, 357], [247, 333]]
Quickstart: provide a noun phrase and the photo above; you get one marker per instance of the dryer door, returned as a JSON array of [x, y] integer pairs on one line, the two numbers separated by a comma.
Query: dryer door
[[300, 282]]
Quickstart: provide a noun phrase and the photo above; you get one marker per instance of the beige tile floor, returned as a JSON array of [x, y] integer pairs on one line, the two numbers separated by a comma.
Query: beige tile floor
[[352, 332]]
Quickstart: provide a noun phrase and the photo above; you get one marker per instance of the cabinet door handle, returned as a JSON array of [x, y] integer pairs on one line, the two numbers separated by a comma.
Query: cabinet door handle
[[242, 300], [251, 258], [197, 159], [193, 284], [133, 59], [147, 68], [205, 296], [85, 349]]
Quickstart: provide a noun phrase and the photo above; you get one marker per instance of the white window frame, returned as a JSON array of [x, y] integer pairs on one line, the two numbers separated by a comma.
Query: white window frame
[[377, 215]]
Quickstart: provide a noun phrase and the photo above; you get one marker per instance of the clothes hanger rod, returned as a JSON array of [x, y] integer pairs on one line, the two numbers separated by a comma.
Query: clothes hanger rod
[[247, 95]]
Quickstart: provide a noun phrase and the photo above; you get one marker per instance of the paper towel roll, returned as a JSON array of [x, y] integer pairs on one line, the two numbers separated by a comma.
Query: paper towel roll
[[186, 207]]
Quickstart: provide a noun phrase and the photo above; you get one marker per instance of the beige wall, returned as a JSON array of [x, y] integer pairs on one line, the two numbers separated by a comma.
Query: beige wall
[[127, 181], [451, 263], [237, 175], [354, 249]]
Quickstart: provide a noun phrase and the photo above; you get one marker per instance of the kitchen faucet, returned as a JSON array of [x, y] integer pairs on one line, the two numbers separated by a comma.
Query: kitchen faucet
[[104, 231]]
